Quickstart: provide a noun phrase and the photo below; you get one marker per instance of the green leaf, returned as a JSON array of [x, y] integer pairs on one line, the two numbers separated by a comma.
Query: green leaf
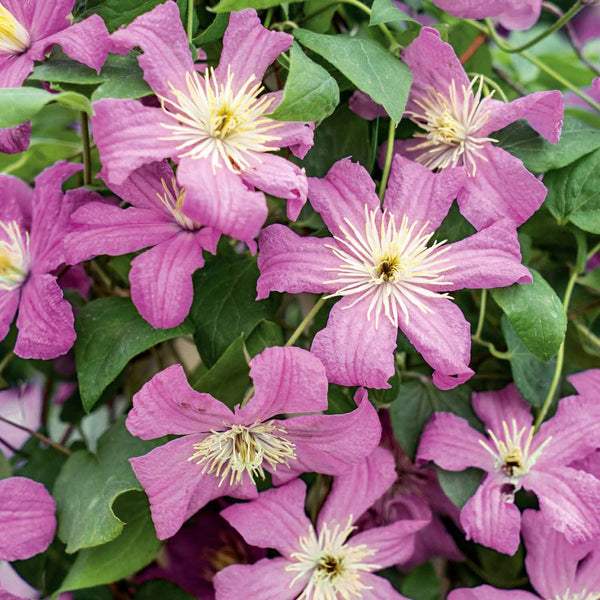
[[89, 484], [264, 335], [367, 64], [110, 332], [123, 78], [310, 92], [536, 314], [574, 193], [385, 11], [5, 468], [459, 486], [116, 12], [577, 139], [62, 69], [231, 5], [417, 401], [43, 463], [533, 377], [135, 548], [214, 31], [224, 304], [159, 588], [422, 583]]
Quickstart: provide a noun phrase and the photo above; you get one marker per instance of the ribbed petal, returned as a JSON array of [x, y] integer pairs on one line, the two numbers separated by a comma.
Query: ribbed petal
[[16, 201], [486, 592], [39, 17], [14, 69], [379, 588], [15, 139]]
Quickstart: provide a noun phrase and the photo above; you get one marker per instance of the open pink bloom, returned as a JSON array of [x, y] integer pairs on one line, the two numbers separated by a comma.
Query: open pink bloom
[[161, 278], [27, 31], [32, 227], [326, 561], [515, 457], [213, 124], [387, 275], [24, 407], [557, 569], [27, 521], [511, 14], [222, 452]]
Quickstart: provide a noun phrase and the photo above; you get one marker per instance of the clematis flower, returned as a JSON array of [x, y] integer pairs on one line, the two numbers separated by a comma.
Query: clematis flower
[[457, 123], [222, 452], [161, 278], [326, 560], [514, 456], [212, 124], [511, 14], [586, 25], [22, 406], [32, 227], [27, 521], [387, 273], [557, 569], [27, 31]]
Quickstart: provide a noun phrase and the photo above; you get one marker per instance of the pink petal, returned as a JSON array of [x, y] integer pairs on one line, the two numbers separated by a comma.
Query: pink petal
[[294, 264], [9, 302], [488, 520], [276, 519], [45, 320], [15, 139], [442, 336], [522, 17], [588, 575], [436, 192], [161, 279], [361, 104], [16, 200], [221, 200], [379, 588], [41, 18], [490, 258], [586, 383], [450, 442], [27, 521], [166, 54], [486, 592], [569, 500], [266, 579], [129, 135], [343, 194], [14, 69], [249, 48], [176, 487], [279, 177], [167, 404], [505, 405], [502, 188], [22, 405], [353, 350], [355, 491], [287, 380]]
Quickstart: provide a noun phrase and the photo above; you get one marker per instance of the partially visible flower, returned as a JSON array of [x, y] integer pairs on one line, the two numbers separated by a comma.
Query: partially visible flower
[[328, 560], [161, 277], [514, 456], [223, 452], [557, 569], [586, 25], [422, 18], [32, 227], [388, 273], [27, 521], [27, 31], [22, 406], [215, 125]]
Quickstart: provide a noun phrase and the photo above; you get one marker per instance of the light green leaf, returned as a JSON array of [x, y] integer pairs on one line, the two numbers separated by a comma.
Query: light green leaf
[[385, 11], [232, 5], [459, 486], [369, 66]]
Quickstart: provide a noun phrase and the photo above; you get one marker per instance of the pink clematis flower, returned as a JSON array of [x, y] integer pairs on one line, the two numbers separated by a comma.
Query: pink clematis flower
[[32, 228], [514, 457], [161, 278], [22, 406], [511, 14], [325, 561], [222, 452], [27, 31], [387, 275], [27, 521], [586, 25], [212, 124], [557, 569]]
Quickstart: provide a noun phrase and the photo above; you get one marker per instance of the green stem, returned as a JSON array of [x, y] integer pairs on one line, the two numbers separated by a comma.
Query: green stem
[[593, 251], [306, 321], [559, 358], [87, 154], [190, 20], [394, 45], [388, 158], [481, 314]]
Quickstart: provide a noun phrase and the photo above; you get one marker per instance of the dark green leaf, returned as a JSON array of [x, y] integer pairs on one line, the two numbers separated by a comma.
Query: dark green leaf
[[5, 468], [214, 31], [422, 583], [43, 465], [116, 12], [159, 588], [123, 78], [459, 486], [264, 335], [385, 11]]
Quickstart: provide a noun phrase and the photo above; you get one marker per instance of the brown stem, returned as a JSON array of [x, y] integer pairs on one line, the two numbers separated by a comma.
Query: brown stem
[[37, 435]]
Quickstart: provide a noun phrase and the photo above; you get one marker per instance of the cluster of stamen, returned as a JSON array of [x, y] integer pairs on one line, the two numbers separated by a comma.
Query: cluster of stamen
[[14, 256], [173, 199], [220, 122], [14, 38], [333, 566], [390, 264], [451, 122], [583, 595], [243, 449]]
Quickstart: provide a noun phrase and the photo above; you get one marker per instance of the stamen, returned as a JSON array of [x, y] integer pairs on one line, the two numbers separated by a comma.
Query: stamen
[[173, 201], [14, 256], [14, 38]]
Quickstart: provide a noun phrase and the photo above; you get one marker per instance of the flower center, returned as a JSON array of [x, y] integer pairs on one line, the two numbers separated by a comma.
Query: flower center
[[512, 452], [173, 200], [334, 566], [451, 123], [242, 449], [14, 256], [389, 263], [584, 595], [14, 38], [217, 122]]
